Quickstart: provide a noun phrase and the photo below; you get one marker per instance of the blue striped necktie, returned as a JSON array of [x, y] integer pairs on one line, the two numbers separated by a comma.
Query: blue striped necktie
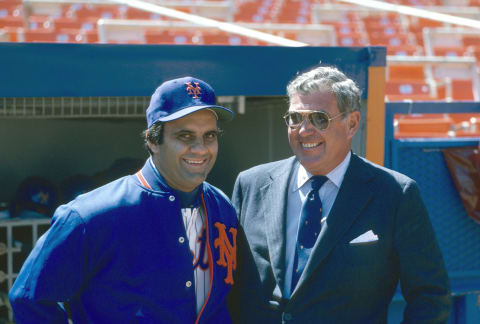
[[309, 228]]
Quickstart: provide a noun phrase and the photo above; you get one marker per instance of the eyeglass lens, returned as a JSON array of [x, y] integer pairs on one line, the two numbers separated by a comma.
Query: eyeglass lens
[[319, 119]]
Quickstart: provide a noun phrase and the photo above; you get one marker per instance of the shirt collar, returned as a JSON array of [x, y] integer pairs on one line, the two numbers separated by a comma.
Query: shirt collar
[[336, 175]]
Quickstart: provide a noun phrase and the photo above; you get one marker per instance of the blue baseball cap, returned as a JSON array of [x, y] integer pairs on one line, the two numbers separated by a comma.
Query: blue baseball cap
[[177, 98], [35, 197]]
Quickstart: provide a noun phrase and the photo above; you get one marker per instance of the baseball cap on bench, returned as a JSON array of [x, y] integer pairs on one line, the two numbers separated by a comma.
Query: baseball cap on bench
[[177, 98]]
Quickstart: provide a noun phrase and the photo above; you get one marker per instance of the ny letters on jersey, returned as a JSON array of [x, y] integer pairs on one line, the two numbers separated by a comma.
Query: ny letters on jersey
[[228, 251]]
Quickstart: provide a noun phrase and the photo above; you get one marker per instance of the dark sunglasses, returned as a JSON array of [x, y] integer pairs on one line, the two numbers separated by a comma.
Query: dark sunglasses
[[319, 119]]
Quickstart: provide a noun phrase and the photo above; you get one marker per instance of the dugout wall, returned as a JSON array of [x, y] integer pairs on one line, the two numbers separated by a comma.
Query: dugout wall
[[69, 109], [422, 159]]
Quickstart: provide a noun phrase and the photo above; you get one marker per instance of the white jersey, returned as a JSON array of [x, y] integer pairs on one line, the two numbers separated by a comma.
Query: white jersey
[[195, 227]]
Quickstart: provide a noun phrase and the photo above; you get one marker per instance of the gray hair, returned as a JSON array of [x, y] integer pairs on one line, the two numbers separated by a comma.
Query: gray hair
[[326, 78]]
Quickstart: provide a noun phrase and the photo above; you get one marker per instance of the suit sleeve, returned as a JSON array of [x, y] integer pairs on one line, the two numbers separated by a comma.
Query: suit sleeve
[[423, 276], [235, 294], [246, 300], [237, 197], [52, 273]]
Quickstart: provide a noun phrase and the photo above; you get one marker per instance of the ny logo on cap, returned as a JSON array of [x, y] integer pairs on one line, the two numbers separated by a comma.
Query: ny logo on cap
[[194, 90]]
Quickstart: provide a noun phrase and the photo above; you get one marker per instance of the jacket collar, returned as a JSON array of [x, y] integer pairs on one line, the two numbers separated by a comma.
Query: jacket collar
[[151, 179]]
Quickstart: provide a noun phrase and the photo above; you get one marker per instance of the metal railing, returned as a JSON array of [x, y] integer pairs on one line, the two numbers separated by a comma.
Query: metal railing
[[10, 246]]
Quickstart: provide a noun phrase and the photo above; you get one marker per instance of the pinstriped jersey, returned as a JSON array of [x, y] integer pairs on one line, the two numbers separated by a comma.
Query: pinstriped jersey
[[195, 227]]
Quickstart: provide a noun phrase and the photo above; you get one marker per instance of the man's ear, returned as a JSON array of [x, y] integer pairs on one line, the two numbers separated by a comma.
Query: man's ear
[[353, 123], [153, 147]]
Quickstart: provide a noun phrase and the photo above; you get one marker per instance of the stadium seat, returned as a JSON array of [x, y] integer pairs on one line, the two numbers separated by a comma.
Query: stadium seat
[[347, 27], [96, 11], [8, 8], [216, 39], [452, 51], [462, 90], [398, 39], [38, 22], [422, 125], [385, 30], [406, 72], [437, 125], [133, 13], [90, 36], [46, 35], [353, 39], [417, 24], [158, 37], [67, 23], [11, 21], [469, 40], [405, 50], [396, 90]]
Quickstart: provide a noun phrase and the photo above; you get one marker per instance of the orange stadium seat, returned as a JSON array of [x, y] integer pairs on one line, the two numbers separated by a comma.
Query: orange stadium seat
[[158, 37], [353, 39], [437, 125], [384, 19], [392, 40], [462, 90], [98, 11], [405, 50], [386, 30], [45, 35], [133, 13], [90, 36], [294, 12], [338, 16], [406, 72], [423, 125], [396, 90], [215, 39], [449, 51], [10, 21], [11, 2], [67, 23], [39, 22], [347, 27], [417, 24], [223, 39], [8, 7], [469, 40], [458, 118]]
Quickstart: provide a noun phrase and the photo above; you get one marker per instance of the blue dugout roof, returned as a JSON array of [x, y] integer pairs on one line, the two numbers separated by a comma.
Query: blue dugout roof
[[55, 70]]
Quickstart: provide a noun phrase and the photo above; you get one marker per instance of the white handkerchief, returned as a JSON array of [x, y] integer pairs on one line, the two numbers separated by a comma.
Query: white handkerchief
[[365, 237]]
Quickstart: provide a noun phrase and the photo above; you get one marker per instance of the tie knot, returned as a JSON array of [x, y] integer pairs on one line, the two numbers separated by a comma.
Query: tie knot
[[318, 181]]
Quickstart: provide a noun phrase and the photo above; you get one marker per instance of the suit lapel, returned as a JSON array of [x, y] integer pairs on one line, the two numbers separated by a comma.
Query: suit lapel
[[352, 198], [274, 197]]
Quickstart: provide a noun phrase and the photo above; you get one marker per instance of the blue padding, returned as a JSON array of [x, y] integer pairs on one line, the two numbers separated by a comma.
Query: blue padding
[[56, 70], [458, 234]]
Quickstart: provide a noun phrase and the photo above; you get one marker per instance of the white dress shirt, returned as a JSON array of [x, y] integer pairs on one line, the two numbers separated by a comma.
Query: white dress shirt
[[297, 191]]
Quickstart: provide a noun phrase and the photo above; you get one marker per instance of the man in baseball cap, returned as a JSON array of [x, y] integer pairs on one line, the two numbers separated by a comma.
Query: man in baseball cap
[[158, 246]]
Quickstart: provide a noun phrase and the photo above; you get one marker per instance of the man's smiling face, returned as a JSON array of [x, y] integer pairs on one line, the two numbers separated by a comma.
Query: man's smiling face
[[188, 151], [320, 151]]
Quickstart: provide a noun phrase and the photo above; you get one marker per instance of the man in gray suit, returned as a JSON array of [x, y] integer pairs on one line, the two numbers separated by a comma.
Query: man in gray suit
[[373, 229]]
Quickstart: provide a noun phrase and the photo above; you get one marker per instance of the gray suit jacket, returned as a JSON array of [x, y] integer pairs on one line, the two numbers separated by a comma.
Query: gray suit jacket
[[343, 282]]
